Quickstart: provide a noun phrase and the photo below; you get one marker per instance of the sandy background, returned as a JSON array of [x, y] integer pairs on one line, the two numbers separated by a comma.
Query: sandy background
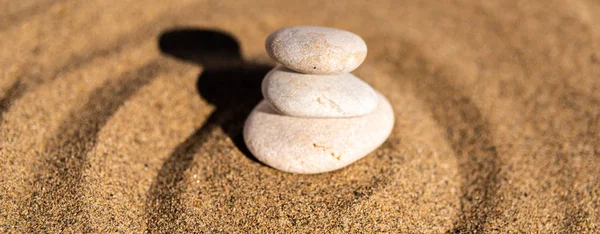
[[125, 116]]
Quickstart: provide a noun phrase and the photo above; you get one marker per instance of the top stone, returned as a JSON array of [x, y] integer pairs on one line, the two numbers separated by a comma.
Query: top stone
[[317, 50]]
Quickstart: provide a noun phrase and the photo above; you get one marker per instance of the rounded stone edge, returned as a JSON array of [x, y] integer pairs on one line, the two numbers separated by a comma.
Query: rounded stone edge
[[277, 107], [376, 146], [359, 57]]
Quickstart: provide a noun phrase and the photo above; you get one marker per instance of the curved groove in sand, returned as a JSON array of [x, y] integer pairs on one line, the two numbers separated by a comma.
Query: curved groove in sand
[[470, 137], [13, 93], [78, 60], [575, 214], [163, 203], [76, 136], [472, 143], [456, 112], [17, 18], [234, 91]]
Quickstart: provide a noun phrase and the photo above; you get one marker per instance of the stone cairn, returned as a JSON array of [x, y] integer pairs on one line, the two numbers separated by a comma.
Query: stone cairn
[[316, 116]]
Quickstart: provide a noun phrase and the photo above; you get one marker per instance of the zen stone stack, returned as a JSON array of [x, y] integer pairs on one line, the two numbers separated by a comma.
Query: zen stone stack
[[316, 116]]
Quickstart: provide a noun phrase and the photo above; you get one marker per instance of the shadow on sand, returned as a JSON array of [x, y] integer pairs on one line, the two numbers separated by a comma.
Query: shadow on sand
[[229, 83]]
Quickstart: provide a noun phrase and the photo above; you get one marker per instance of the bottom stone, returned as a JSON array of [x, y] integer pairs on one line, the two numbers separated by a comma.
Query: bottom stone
[[313, 145]]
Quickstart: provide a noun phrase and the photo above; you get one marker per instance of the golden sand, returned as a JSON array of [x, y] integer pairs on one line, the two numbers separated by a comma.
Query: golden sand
[[126, 116]]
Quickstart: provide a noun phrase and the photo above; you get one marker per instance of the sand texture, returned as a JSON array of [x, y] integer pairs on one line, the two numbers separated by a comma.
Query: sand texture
[[126, 116]]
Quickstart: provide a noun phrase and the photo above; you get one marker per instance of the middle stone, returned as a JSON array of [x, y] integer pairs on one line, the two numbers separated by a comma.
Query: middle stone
[[318, 96]]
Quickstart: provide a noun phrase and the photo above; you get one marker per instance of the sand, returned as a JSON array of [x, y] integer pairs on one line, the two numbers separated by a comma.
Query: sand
[[126, 116]]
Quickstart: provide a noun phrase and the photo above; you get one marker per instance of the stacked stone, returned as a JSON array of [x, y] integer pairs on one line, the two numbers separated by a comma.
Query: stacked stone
[[316, 116]]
